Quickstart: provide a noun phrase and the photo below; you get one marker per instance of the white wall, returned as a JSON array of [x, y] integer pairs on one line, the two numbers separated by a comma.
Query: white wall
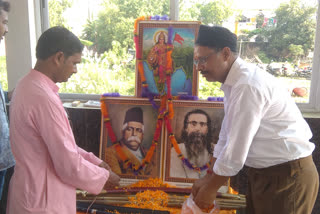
[[20, 41]]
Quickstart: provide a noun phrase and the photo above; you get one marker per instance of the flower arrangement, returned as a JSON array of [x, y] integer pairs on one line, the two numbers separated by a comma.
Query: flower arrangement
[[160, 199], [165, 109]]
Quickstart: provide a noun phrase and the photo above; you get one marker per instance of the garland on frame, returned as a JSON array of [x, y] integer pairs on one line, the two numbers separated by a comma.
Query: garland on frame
[[122, 155], [169, 116], [166, 112]]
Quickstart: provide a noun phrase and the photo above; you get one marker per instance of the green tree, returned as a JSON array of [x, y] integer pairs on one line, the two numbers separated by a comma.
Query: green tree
[[116, 20], [56, 10], [295, 51], [187, 10], [208, 12], [215, 12], [259, 19], [3, 73], [295, 25], [294, 30], [112, 71]]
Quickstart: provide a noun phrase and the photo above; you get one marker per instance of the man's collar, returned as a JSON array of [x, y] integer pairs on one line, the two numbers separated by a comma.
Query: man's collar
[[232, 76], [45, 78]]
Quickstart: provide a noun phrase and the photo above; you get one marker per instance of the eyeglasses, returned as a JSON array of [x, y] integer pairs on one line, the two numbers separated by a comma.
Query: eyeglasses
[[195, 123], [202, 60]]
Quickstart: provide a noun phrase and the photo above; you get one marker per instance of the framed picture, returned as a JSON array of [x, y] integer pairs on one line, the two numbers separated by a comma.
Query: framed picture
[[167, 48], [133, 124], [196, 126]]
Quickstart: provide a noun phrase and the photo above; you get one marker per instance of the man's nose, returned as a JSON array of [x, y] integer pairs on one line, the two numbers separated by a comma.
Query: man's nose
[[134, 132], [75, 69], [197, 128], [199, 67], [6, 30]]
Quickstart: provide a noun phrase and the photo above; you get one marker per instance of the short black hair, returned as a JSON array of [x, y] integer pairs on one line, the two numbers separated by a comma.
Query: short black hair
[[217, 38], [57, 39], [4, 5]]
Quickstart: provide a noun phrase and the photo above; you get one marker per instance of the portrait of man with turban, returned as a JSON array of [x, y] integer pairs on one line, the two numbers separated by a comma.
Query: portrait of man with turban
[[131, 145]]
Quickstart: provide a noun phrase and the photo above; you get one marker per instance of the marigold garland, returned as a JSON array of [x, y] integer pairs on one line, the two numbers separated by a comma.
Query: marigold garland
[[166, 111], [168, 69], [122, 155], [151, 182], [155, 200]]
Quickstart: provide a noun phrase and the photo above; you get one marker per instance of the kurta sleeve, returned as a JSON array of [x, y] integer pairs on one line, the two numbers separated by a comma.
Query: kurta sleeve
[[70, 163], [89, 156]]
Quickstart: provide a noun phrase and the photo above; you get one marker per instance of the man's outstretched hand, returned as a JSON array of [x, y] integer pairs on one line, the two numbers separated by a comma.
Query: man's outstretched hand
[[105, 165], [204, 192], [112, 181]]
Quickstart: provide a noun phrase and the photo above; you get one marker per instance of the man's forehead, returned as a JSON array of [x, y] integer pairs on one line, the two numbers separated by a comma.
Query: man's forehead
[[135, 124], [3, 14], [202, 50], [75, 57], [198, 117]]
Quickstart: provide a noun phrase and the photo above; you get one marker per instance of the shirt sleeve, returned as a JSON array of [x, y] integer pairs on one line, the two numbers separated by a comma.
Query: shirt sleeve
[[241, 122], [222, 140], [69, 161]]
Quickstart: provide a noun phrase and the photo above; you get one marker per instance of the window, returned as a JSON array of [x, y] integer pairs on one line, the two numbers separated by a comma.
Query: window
[[3, 68], [113, 65], [106, 27], [278, 36]]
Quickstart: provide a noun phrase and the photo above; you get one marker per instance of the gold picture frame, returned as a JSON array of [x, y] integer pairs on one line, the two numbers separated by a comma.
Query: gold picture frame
[[184, 81], [173, 165], [118, 108]]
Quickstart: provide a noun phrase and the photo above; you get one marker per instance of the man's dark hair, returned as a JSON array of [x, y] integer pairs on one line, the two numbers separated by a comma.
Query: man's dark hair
[[4, 5], [57, 39], [209, 125]]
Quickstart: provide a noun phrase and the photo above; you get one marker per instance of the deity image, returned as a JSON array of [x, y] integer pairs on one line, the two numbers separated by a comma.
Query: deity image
[[168, 53], [160, 58]]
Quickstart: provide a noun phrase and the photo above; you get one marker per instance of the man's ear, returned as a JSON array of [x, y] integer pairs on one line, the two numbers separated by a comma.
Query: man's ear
[[58, 58], [226, 53]]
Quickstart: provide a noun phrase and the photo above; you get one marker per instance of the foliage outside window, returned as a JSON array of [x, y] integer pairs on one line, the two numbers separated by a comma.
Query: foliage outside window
[[3, 73], [283, 44], [280, 41]]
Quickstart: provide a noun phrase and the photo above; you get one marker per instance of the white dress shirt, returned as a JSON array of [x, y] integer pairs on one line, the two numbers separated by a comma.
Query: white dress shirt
[[262, 126]]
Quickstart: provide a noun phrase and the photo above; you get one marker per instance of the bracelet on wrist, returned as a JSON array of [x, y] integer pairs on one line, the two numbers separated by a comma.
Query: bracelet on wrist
[[209, 171]]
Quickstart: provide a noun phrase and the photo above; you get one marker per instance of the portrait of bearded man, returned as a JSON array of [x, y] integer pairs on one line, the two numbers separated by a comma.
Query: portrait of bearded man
[[195, 144]]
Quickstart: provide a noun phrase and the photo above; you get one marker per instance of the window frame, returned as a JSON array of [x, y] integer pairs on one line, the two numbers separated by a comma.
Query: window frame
[[314, 98], [38, 22]]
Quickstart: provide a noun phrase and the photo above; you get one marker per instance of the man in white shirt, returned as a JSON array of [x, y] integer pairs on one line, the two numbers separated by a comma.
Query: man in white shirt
[[262, 129]]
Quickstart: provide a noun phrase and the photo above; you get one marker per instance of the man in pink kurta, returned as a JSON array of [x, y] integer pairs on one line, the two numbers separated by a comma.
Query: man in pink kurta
[[49, 164]]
